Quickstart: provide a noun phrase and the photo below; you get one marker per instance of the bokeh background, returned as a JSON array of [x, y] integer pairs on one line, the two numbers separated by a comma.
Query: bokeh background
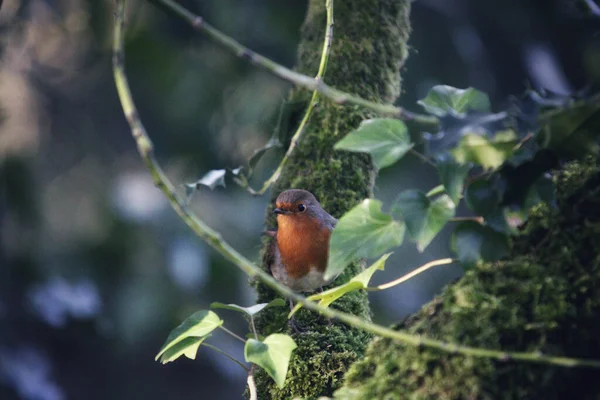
[[96, 269]]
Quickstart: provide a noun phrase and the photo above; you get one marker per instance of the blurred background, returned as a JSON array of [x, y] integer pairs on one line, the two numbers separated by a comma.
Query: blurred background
[[96, 269]]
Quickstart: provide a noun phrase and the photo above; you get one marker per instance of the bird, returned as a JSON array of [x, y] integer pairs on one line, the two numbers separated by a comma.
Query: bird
[[297, 255]]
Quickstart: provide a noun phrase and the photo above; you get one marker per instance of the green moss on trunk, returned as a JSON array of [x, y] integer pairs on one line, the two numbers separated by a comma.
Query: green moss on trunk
[[546, 298], [369, 48]]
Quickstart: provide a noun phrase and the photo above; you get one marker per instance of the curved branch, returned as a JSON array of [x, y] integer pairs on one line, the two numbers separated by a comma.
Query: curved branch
[[214, 239], [313, 102]]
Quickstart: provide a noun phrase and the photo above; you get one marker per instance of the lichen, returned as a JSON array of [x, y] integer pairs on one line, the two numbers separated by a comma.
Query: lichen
[[544, 298], [368, 51]]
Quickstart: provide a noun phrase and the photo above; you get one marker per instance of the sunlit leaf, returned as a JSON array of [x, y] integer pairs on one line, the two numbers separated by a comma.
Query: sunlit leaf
[[489, 153], [453, 175], [474, 243], [252, 310], [443, 99], [199, 324], [424, 218], [272, 354], [360, 281], [364, 231], [385, 139], [187, 347]]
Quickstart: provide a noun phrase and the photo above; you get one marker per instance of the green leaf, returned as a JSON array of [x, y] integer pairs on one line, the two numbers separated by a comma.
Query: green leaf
[[442, 100], [272, 354], [385, 139], [364, 231], [199, 324], [453, 175], [474, 243], [573, 132], [424, 218], [187, 347], [360, 281], [489, 153], [482, 197], [439, 189], [252, 310]]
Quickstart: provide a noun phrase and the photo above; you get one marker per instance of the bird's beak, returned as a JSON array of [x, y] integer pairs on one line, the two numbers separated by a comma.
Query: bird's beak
[[280, 211]]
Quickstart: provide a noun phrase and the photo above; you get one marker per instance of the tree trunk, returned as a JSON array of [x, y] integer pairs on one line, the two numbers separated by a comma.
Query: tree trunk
[[544, 298], [369, 49]]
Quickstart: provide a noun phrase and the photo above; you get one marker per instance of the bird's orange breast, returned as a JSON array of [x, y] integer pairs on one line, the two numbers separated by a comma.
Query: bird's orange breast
[[303, 244]]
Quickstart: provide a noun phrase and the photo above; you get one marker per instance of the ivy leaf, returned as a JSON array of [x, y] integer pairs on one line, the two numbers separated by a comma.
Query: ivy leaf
[[481, 197], [252, 310], [474, 243], [360, 281], [385, 139], [199, 324], [573, 132], [187, 347], [363, 232], [211, 180], [453, 175], [273, 142], [424, 218], [442, 100], [272, 354], [490, 153], [453, 128]]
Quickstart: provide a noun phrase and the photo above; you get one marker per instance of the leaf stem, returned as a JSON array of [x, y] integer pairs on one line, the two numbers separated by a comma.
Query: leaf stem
[[232, 358], [232, 334], [422, 157], [253, 327], [412, 274], [214, 239], [303, 81]]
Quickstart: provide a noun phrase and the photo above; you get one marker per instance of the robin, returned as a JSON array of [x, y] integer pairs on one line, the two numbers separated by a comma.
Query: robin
[[297, 257]]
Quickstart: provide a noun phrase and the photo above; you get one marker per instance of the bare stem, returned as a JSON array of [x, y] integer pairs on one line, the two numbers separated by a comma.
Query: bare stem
[[251, 384], [253, 327], [313, 101], [479, 220], [412, 274], [304, 81], [215, 240]]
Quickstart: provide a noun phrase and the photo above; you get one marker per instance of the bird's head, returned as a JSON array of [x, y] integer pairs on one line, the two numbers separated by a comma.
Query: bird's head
[[298, 205]]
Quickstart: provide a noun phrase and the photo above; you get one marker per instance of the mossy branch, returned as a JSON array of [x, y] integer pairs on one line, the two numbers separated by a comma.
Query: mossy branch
[[306, 82], [313, 102], [215, 240]]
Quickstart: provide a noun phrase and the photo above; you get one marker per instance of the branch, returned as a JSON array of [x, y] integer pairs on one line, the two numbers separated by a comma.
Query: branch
[[214, 239], [251, 384], [306, 82], [313, 102]]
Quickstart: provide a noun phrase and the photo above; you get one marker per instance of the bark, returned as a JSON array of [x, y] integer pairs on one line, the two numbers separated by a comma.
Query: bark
[[369, 49], [545, 297]]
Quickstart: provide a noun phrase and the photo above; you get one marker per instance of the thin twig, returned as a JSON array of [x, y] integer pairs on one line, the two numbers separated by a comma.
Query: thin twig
[[412, 274], [232, 358], [214, 239], [251, 384], [304, 81], [479, 220], [232, 334], [313, 102]]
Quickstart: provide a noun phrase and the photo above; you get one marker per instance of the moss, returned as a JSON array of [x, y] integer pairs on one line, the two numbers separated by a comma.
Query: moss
[[546, 298], [369, 48]]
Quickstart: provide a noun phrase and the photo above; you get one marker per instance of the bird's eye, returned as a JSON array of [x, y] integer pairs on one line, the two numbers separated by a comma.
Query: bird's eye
[[301, 207]]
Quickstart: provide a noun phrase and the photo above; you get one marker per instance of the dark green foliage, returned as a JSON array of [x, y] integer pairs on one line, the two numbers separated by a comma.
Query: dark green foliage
[[368, 51], [546, 298]]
